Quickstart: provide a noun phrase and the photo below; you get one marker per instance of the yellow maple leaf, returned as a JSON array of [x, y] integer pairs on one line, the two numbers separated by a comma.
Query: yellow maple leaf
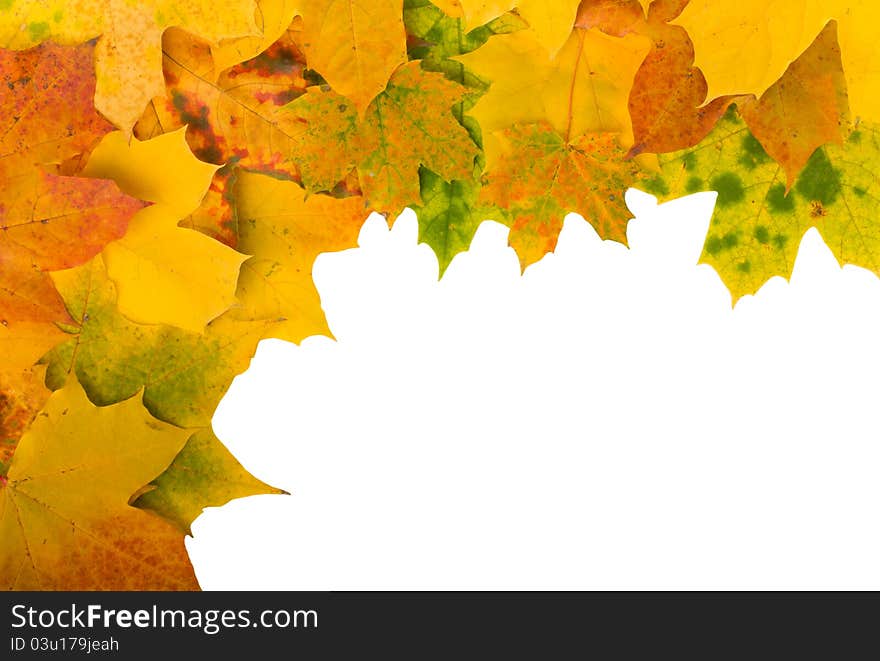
[[356, 46], [128, 55], [475, 12], [165, 273], [273, 18], [584, 88], [744, 47], [285, 231], [552, 22], [65, 521]]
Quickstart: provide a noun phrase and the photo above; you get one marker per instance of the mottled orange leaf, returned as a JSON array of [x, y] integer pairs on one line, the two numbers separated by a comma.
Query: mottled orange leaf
[[60, 222], [22, 394], [614, 17], [55, 221], [408, 125], [355, 46], [127, 55], [804, 109], [668, 92], [233, 115], [542, 178], [216, 215], [48, 221], [39, 88]]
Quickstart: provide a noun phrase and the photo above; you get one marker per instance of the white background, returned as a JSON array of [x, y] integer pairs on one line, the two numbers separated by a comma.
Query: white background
[[604, 421]]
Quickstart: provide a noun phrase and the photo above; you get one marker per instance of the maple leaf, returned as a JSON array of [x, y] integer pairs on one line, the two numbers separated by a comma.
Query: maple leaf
[[285, 230], [65, 522], [804, 109], [183, 374], [747, 47], [273, 18], [584, 88], [22, 394], [204, 474], [475, 12], [166, 274], [407, 125], [666, 102], [128, 59], [355, 46], [756, 226], [48, 221], [233, 115], [434, 38], [450, 211], [544, 177], [40, 86], [449, 215]]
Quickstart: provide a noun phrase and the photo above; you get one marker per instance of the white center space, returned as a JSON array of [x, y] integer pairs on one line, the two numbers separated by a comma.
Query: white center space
[[605, 420]]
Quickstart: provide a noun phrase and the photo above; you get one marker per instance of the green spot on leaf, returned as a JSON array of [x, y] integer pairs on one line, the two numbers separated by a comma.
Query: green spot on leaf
[[779, 240], [762, 234], [778, 201], [819, 181], [694, 185], [656, 186], [753, 153], [730, 189], [38, 30]]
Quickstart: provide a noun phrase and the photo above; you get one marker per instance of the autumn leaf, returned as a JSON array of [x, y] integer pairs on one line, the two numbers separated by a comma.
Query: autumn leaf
[[65, 520], [435, 38], [204, 474], [544, 177], [407, 126], [22, 395], [551, 22], [40, 86], [666, 102], [475, 12], [747, 47], [285, 230], [450, 211], [48, 221], [756, 227], [234, 115], [804, 109], [272, 18], [128, 59], [449, 215], [166, 274], [584, 88], [355, 46], [183, 374]]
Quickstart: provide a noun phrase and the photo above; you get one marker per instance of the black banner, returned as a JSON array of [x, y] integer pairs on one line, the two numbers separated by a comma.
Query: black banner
[[415, 624]]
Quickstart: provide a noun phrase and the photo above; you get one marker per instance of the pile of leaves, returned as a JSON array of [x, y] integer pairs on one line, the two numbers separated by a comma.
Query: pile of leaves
[[170, 169]]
